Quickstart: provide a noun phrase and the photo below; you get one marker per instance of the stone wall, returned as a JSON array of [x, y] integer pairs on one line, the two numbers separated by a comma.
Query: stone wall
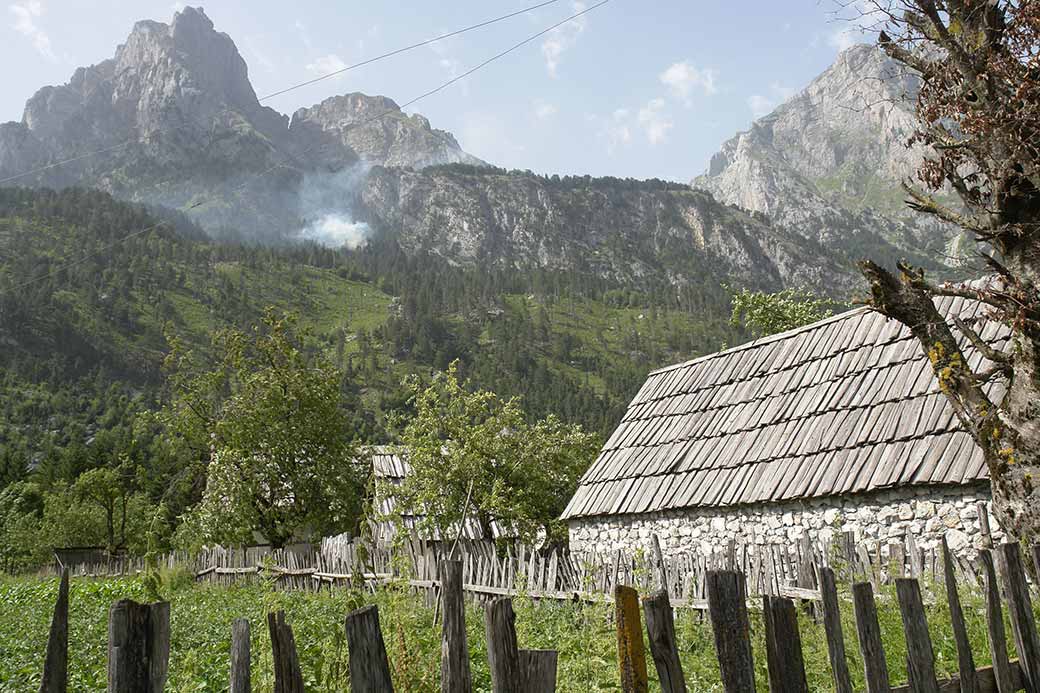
[[927, 513]]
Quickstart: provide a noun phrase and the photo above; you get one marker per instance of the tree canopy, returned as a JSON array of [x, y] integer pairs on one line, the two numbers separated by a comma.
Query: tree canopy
[[474, 455], [273, 436]]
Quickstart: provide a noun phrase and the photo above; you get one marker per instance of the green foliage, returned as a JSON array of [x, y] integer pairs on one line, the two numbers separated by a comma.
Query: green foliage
[[472, 452], [583, 634], [763, 314], [269, 426]]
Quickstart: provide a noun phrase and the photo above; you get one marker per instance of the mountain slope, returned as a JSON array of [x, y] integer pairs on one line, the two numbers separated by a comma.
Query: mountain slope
[[828, 163], [628, 232], [184, 126]]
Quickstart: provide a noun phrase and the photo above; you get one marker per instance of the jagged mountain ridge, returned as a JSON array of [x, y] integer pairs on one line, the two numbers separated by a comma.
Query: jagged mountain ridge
[[178, 95], [198, 139], [627, 231], [830, 161]]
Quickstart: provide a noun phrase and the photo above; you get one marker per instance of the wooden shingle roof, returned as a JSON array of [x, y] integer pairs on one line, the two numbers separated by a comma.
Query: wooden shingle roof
[[845, 405]]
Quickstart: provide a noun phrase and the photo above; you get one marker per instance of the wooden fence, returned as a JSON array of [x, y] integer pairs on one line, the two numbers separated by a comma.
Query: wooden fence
[[139, 638], [490, 570]]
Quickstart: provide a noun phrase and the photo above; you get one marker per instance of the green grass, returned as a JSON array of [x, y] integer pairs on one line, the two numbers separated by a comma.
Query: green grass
[[583, 634]]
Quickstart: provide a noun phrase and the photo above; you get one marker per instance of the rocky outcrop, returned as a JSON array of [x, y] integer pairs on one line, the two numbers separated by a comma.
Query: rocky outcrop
[[374, 129], [183, 128], [626, 231], [829, 163]]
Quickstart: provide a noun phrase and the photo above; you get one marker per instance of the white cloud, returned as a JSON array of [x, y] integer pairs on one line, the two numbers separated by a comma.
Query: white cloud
[[562, 38], [304, 34], [621, 127], [615, 130], [856, 21], [327, 64], [654, 122], [543, 110], [762, 104], [682, 79], [26, 14]]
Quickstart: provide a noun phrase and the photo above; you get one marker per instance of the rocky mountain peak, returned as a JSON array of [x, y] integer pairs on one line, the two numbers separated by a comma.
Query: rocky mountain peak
[[829, 162], [377, 131]]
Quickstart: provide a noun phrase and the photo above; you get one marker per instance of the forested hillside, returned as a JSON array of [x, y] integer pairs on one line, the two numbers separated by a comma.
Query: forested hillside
[[92, 291]]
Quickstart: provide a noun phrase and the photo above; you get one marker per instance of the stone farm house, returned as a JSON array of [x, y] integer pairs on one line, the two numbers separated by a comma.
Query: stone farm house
[[836, 426]]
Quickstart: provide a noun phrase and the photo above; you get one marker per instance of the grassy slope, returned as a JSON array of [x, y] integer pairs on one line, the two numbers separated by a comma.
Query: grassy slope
[[584, 635]]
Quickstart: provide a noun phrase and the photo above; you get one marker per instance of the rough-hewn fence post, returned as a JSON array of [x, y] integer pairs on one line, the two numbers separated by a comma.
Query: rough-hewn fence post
[[514, 670], [1023, 625], [503, 654], [240, 657], [965, 660], [138, 646], [660, 626], [56, 659], [369, 668], [783, 646], [832, 628], [874, 664], [920, 656], [732, 629], [287, 675], [455, 673], [631, 655]]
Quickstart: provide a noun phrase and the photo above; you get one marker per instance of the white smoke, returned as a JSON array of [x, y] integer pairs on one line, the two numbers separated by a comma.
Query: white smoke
[[336, 230], [326, 201]]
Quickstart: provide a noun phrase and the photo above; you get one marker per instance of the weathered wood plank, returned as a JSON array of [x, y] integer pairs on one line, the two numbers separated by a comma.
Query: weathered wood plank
[[920, 657], [835, 636], [783, 646], [869, 632], [659, 569], [240, 681], [985, 680], [732, 630], [965, 660], [55, 677], [538, 671], [995, 623], [369, 668], [455, 673], [660, 626], [287, 675], [631, 655], [1023, 625], [138, 646], [503, 655]]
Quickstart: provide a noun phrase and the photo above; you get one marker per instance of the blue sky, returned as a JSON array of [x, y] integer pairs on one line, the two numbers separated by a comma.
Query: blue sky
[[640, 89]]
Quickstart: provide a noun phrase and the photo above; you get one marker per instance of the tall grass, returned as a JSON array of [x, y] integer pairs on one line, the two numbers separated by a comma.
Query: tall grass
[[582, 633]]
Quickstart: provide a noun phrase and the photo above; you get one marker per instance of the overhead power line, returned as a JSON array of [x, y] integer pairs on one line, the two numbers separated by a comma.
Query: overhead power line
[[66, 161], [418, 98], [392, 53], [436, 89]]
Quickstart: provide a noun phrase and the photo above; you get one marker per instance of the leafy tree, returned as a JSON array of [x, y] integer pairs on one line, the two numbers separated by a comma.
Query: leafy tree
[[763, 314], [978, 117], [474, 454], [110, 490], [268, 426]]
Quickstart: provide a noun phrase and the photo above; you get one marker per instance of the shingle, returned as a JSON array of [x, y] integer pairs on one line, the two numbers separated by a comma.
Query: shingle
[[847, 405]]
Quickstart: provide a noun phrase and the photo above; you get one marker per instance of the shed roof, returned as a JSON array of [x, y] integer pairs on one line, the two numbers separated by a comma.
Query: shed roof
[[845, 405]]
